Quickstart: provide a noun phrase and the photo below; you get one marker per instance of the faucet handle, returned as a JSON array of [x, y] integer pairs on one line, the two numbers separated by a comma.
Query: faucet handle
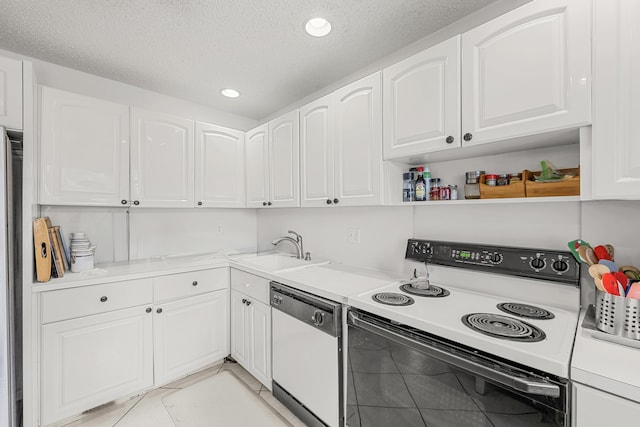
[[294, 233], [307, 256]]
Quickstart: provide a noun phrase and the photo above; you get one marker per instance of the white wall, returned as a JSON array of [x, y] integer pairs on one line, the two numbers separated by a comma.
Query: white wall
[[105, 227], [157, 232], [87, 84], [121, 233], [383, 233], [611, 222]]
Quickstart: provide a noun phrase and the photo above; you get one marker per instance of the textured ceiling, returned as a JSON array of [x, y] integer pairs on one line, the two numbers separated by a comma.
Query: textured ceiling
[[190, 49]]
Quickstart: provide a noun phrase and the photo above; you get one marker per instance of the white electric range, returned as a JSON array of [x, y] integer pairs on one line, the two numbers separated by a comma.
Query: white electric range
[[487, 342]]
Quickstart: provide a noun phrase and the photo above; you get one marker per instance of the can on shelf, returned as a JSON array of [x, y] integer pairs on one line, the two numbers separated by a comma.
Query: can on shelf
[[491, 180]]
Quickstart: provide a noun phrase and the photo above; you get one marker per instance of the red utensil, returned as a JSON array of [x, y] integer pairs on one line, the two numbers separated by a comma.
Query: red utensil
[[622, 279], [602, 253], [610, 284]]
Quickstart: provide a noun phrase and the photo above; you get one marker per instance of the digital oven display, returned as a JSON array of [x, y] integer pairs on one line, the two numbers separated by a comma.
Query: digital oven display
[[465, 254]]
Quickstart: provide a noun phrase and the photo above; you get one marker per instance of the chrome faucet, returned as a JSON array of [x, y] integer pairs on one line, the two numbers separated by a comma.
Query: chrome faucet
[[297, 242]]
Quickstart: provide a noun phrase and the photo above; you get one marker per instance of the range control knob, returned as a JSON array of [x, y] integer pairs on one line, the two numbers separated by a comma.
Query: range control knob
[[560, 266], [538, 263], [497, 258]]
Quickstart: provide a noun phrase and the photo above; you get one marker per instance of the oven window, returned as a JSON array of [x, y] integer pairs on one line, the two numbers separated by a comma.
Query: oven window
[[393, 385]]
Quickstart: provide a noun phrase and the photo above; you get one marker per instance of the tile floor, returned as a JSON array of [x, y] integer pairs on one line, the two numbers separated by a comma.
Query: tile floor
[[167, 406]]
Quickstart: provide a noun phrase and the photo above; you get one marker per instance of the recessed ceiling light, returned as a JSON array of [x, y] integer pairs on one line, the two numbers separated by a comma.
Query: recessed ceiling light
[[317, 27], [230, 93]]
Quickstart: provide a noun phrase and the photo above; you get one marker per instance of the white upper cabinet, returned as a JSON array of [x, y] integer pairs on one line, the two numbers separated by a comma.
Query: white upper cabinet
[[616, 96], [341, 146], [272, 157], [10, 93], [358, 142], [257, 164], [84, 150], [284, 161], [527, 72], [316, 152], [162, 160], [219, 167], [422, 102]]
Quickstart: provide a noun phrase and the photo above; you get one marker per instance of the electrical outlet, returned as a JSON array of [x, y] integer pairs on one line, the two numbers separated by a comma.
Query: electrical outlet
[[353, 235]]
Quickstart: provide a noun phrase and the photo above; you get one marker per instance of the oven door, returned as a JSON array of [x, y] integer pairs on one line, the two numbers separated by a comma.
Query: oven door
[[399, 376]]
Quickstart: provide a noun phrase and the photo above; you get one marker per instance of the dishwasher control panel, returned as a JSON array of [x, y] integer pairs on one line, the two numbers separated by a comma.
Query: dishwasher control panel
[[541, 264], [321, 313]]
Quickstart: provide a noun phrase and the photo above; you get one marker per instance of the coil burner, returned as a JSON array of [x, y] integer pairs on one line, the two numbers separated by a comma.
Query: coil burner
[[498, 326], [432, 291], [525, 310], [392, 298]]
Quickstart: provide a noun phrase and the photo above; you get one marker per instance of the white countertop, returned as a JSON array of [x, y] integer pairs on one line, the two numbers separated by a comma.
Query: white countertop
[[605, 365], [332, 281], [130, 270]]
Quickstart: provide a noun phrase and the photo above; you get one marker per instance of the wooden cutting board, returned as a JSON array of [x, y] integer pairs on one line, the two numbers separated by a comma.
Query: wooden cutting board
[[42, 247]]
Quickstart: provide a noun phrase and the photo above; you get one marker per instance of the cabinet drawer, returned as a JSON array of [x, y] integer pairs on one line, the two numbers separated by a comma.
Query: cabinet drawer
[[86, 300], [188, 284], [250, 285]]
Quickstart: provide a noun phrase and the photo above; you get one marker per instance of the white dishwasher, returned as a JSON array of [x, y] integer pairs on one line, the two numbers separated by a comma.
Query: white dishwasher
[[307, 355]]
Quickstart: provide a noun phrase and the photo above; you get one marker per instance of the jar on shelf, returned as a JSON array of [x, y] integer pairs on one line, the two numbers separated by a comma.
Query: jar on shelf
[[453, 192], [435, 188]]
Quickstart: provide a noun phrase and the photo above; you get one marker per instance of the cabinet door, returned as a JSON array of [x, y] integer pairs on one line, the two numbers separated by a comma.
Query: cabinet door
[[616, 66], [260, 339], [92, 360], [240, 329], [10, 93], [527, 72], [358, 142], [596, 408], [189, 334], [257, 163], [220, 175], [316, 152], [84, 150], [283, 161], [161, 160], [422, 102]]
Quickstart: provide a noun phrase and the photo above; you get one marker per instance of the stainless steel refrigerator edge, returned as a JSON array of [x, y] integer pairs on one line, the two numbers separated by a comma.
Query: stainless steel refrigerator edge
[[8, 249]]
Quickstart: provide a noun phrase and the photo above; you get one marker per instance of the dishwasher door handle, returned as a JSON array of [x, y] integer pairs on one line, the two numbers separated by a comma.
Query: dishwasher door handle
[[318, 318]]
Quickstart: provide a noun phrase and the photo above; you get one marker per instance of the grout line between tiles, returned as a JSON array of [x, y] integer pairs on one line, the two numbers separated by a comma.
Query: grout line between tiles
[[129, 410]]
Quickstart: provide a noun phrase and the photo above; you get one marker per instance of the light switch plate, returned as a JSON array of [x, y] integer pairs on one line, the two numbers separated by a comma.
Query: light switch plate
[[353, 235]]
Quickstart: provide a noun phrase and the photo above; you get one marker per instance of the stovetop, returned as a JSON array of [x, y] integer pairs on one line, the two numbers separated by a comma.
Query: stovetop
[[444, 317], [516, 301]]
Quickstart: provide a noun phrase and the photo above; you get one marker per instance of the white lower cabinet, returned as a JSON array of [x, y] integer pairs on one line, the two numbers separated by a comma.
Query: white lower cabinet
[[92, 360], [96, 348], [251, 324], [595, 408], [251, 336], [189, 333]]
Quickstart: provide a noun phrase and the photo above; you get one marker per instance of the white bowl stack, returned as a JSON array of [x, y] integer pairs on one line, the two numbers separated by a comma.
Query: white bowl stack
[[82, 252]]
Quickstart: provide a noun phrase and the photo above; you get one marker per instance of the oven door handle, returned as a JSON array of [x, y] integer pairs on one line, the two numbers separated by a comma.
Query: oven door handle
[[533, 386]]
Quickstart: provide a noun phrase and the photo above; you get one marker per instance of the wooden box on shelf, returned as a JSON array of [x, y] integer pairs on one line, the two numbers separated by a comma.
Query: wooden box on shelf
[[514, 189], [566, 187]]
